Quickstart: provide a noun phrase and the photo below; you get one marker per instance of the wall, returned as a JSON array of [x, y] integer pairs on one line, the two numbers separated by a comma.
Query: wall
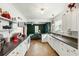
[[38, 20]]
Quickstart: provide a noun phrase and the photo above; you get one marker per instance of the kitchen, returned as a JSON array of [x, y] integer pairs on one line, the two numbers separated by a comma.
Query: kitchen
[[53, 24]]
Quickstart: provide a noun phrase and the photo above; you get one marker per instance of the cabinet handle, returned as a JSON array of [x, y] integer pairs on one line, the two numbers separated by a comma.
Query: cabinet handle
[[74, 50], [17, 53], [67, 50], [61, 44], [13, 52]]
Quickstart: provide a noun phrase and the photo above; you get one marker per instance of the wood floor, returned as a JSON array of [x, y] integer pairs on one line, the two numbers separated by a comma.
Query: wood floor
[[38, 48]]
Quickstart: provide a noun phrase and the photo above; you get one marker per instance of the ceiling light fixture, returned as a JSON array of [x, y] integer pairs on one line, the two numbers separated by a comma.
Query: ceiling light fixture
[[42, 10]]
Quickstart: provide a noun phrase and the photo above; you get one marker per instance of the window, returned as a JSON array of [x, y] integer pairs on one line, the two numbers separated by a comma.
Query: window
[[36, 29]]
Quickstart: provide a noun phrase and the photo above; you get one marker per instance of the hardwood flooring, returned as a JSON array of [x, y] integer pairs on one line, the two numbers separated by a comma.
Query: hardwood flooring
[[39, 48]]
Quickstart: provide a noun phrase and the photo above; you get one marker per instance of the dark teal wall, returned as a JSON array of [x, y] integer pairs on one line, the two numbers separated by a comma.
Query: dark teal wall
[[30, 29], [42, 27]]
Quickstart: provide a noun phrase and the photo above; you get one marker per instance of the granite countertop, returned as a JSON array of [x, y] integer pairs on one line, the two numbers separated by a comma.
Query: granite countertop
[[68, 40], [9, 47]]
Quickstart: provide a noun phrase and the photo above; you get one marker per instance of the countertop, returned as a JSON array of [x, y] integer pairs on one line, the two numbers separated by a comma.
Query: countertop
[[16, 49], [68, 40], [9, 47]]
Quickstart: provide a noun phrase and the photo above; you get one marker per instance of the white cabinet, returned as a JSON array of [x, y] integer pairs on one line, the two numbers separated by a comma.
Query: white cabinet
[[62, 48], [67, 50], [55, 44], [50, 41], [77, 20], [21, 49], [45, 37], [64, 23], [74, 20], [69, 21]]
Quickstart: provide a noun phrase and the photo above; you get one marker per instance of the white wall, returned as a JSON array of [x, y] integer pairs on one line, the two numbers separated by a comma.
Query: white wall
[[38, 20]]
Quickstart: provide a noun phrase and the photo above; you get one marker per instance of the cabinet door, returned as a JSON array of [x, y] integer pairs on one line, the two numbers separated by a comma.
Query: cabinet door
[[66, 22], [74, 21], [69, 21], [50, 41], [55, 44], [77, 21], [44, 37]]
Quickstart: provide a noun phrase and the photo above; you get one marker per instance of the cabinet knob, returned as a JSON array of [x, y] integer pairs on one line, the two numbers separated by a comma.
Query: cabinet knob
[[74, 50], [17, 53], [61, 44], [68, 50], [13, 52]]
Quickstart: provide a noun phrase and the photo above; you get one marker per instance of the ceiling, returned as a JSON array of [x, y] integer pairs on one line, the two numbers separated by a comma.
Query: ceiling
[[40, 10]]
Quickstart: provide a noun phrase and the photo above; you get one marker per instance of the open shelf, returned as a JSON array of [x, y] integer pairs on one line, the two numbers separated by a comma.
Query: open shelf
[[5, 19]]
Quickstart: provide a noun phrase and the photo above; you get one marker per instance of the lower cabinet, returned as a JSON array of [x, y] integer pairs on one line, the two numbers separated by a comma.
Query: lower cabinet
[[67, 50], [21, 49], [62, 48], [45, 37]]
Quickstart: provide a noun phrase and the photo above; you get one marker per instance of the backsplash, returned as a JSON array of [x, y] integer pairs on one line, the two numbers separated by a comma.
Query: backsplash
[[70, 34], [74, 34]]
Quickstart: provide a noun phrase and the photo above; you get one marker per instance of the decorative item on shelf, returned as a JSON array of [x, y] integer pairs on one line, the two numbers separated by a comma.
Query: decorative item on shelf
[[6, 14], [71, 5], [19, 18], [6, 27], [13, 19]]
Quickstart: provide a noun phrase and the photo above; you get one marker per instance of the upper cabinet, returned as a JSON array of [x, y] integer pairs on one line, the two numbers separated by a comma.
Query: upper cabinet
[[66, 23], [74, 20], [69, 21], [56, 24]]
